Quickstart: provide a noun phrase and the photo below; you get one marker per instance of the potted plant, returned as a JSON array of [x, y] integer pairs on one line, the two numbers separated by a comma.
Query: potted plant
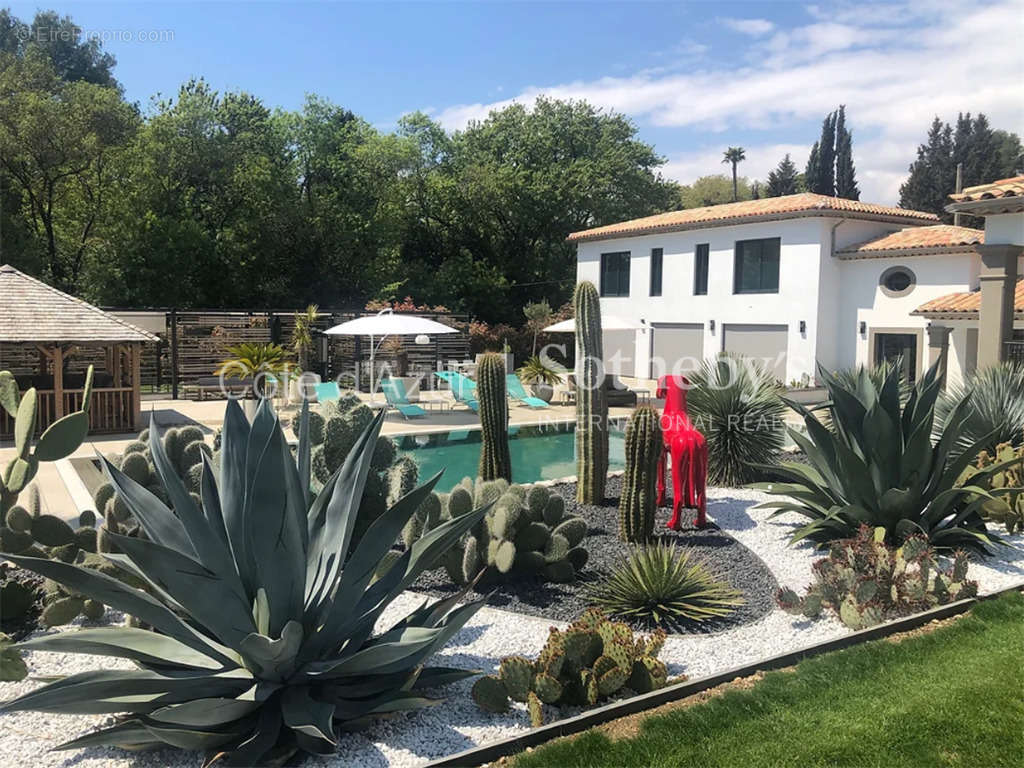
[[261, 366], [506, 353], [302, 344], [541, 378]]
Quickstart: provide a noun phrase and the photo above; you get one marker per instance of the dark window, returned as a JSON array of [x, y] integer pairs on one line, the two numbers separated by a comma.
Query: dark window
[[656, 254], [700, 270], [615, 274], [757, 266]]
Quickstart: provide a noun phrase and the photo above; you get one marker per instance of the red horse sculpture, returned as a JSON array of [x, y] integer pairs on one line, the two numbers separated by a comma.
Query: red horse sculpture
[[689, 452]]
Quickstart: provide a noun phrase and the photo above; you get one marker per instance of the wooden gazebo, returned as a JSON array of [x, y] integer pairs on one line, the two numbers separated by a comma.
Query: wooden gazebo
[[48, 339]]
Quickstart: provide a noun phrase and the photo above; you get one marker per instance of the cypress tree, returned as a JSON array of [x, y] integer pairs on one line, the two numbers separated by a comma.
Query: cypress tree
[[812, 170], [825, 184], [783, 180], [846, 174], [932, 174]]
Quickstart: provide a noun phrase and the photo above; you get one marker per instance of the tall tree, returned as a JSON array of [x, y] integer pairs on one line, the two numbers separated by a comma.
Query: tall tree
[[784, 180], [59, 39], [813, 168], [734, 155], [59, 143], [846, 175], [984, 154]]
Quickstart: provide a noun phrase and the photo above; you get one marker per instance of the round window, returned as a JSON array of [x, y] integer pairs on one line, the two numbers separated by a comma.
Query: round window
[[897, 281]]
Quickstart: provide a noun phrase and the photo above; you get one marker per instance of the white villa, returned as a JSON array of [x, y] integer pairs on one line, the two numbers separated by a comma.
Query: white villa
[[797, 281]]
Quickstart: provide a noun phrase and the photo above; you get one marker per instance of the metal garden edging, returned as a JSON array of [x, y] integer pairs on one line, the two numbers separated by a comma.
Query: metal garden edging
[[490, 752]]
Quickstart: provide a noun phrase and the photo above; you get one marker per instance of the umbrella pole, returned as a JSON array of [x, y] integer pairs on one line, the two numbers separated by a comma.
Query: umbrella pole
[[373, 350]]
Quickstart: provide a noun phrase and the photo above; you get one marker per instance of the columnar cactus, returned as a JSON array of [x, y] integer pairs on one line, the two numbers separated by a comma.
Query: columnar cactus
[[865, 581], [526, 532], [58, 441], [591, 400], [639, 492], [592, 659], [495, 461]]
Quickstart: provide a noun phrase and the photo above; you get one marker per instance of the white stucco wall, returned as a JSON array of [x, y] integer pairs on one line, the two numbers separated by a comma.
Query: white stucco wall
[[806, 271], [863, 299], [1005, 228]]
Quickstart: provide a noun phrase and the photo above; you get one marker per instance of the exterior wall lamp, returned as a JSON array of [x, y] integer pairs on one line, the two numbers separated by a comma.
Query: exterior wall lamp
[[863, 327], [711, 325], [803, 326]]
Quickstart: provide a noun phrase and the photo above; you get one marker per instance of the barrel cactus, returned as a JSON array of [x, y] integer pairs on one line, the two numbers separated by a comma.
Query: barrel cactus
[[525, 534], [866, 581], [591, 400], [58, 441], [639, 485], [592, 659], [495, 461]]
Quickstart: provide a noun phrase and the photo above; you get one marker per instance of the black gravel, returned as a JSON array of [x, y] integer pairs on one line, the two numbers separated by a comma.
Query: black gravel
[[564, 602]]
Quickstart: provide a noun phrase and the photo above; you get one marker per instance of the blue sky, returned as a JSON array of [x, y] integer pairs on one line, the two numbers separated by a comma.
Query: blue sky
[[695, 77]]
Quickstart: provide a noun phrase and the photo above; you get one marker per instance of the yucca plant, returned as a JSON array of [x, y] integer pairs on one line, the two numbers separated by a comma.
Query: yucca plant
[[735, 403], [257, 362], [262, 615], [877, 466], [661, 585], [996, 408]]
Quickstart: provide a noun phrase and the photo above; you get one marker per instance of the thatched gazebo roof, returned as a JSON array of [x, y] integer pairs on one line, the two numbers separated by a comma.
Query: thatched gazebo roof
[[32, 311]]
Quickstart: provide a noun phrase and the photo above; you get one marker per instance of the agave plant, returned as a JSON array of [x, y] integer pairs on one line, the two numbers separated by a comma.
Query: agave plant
[[262, 615], [660, 585], [996, 409], [258, 362], [878, 467], [735, 403]]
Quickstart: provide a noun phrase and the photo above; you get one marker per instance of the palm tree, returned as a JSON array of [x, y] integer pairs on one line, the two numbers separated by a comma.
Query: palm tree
[[734, 155], [302, 333]]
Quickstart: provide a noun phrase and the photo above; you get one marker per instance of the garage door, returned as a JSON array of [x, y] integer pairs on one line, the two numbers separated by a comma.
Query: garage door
[[676, 348], [766, 343], [620, 352]]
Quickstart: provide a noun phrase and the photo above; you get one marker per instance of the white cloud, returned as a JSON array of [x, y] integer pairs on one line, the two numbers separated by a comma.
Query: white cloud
[[894, 68], [752, 27]]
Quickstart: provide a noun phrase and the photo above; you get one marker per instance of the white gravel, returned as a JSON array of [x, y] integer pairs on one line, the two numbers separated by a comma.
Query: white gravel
[[413, 739]]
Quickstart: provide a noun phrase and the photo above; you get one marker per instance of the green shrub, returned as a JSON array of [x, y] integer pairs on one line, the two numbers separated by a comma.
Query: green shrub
[[660, 585], [878, 467], [735, 403], [865, 581], [592, 659], [996, 410], [260, 606]]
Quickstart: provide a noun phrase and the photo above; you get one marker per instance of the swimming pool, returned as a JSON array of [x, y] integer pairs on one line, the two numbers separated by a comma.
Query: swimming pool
[[542, 452]]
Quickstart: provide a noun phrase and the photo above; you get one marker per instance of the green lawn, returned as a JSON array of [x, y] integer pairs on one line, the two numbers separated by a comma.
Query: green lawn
[[952, 697]]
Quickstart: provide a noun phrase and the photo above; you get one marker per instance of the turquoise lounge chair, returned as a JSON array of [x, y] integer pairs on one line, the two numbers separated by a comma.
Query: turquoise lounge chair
[[395, 394], [327, 390], [517, 392], [463, 388]]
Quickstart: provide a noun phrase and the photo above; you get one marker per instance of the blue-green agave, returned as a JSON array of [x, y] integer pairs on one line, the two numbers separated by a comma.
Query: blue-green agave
[[878, 466], [262, 641]]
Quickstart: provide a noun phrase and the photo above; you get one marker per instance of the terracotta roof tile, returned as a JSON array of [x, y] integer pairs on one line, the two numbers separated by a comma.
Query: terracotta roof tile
[[770, 208], [1012, 187], [938, 237], [966, 304], [31, 310]]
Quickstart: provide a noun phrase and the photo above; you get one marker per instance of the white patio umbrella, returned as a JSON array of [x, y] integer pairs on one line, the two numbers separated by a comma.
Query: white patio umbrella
[[608, 323], [388, 323]]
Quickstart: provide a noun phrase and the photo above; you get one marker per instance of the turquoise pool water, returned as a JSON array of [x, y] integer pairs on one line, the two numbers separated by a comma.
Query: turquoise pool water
[[544, 452]]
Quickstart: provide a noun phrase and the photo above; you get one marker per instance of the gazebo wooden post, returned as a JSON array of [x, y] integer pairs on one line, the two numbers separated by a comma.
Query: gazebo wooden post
[[58, 381], [136, 376]]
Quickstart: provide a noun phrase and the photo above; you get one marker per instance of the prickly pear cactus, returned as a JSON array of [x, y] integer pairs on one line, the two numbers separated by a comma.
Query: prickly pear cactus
[[1007, 485], [866, 581], [495, 461], [639, 484], [591, 400], [592, 659], [58, 441], [526, 533]]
